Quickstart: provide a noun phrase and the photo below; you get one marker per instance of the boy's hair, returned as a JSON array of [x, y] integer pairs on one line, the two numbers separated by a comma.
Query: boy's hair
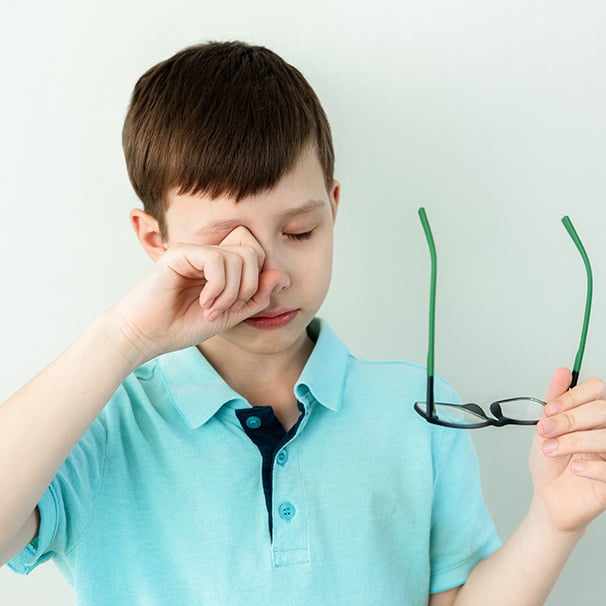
[[221, 118]]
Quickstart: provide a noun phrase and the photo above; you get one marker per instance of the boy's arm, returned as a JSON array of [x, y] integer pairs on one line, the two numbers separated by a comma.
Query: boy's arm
[[42, 422], [521, 573], [23, 538], [175, 305], [568, 464]]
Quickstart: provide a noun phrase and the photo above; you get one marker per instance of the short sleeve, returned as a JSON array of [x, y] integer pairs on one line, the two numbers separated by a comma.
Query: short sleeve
[[462, 531], [67, 504]]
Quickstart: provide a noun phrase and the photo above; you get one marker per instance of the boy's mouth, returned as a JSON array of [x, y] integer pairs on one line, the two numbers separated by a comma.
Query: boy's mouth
[[272, 318]]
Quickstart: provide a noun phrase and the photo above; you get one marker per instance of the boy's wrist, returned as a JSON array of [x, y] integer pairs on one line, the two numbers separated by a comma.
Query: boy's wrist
[[123, 340], [540, 519]]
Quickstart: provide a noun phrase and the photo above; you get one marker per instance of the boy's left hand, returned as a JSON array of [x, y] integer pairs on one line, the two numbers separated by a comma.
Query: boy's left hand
[[568, 457]]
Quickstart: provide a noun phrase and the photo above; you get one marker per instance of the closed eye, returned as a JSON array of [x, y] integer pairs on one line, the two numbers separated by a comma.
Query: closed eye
[[306, 235]]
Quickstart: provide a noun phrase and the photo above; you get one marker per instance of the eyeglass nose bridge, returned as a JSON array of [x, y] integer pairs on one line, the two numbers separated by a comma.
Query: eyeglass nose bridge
[[476, 408], [476, 417], [496, 420]]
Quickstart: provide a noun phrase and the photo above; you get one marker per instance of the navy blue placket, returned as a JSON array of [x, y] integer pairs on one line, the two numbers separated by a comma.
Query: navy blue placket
[[267, 433]]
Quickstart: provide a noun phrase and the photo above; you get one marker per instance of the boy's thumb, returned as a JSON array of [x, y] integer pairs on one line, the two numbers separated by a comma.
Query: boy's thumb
[[559, 384], [269, 281]]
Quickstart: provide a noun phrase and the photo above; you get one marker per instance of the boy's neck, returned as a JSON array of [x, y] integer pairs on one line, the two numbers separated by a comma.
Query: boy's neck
[[263, 379]]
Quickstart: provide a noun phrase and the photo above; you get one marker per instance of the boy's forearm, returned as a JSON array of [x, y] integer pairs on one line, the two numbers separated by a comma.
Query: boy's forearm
[[43, 421], [524, 570]]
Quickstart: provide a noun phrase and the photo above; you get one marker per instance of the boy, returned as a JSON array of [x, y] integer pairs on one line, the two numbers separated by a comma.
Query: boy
[[209, 441]]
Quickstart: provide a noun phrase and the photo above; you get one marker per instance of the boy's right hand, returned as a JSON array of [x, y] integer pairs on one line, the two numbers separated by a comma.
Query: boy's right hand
[[192, 293]]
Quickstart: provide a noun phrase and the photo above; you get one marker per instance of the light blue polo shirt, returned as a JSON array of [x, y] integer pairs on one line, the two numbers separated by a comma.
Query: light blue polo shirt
[[162, 502]]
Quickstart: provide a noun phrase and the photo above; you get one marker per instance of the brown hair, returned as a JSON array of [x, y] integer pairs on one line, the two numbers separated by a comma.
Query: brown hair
[[221, 118]]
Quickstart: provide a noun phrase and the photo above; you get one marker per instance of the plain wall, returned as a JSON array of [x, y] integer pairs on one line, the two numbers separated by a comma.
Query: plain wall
[[490, 114]]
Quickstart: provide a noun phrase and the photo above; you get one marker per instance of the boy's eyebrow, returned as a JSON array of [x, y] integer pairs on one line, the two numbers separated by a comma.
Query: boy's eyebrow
[[307, 207], [224, 225], [215, 227]]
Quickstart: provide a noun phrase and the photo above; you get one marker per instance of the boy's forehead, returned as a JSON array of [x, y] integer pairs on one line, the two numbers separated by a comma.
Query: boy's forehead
[[299, 192], [222, 211]]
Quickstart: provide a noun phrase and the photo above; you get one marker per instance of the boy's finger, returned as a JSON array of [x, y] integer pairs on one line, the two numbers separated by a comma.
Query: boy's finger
[[228, 295], [268, 280], [579, 442], [242, 237], [214, 274], [587, 391], [592, 415], [249, 281], [593, 469], [559, 384]]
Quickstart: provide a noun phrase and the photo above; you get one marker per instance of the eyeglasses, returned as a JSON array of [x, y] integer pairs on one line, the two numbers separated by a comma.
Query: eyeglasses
[[512, 411]]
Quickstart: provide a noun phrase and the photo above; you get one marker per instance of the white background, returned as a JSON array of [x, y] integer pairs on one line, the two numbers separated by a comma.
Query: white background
[[491, 114]]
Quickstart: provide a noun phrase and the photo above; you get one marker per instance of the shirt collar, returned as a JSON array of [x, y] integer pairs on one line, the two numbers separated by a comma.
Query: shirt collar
[[198, 391], [323, 376]]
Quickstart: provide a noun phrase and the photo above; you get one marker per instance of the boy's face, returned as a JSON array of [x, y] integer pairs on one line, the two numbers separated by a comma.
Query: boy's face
[[293, 223]]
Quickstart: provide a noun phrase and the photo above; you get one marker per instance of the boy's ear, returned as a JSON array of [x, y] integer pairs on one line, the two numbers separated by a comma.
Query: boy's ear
[[335, 194], [148, 233]]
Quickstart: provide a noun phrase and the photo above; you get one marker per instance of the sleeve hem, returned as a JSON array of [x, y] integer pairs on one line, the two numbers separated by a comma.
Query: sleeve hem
[[37, 551], [456, 575]]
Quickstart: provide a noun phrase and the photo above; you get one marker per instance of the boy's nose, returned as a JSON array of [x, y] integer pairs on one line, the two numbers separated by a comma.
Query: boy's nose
[[283, 283], [273, 262]]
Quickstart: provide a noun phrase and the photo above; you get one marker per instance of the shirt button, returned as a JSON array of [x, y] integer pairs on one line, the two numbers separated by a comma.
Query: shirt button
[[282, 457], [287, 511], [253, 422]]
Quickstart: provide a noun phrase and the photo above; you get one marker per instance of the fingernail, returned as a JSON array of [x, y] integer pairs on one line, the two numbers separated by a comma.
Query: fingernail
[[238, 305], [552, 408], [214, 315], [578, 467], [546, 426], [550, 446]]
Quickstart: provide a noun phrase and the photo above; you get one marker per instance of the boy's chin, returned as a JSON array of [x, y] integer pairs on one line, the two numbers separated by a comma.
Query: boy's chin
[[265, 336]]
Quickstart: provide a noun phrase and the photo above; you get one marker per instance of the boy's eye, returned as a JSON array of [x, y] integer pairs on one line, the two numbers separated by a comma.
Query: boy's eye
[[306, 235]]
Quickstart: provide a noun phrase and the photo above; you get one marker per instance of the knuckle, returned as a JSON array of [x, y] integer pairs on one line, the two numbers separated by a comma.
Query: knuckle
[[213, 288], [567, 400], [239, 230], [598, 384], [249, 283], [214, 255], [235, 235], [231, 290], [259, 255], [248, 290], [569, 443], [252, 247], [569, 421], [250, 254], [234, 262]]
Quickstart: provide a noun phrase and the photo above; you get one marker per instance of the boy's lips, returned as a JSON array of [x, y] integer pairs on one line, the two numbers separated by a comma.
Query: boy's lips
[[272, 318]]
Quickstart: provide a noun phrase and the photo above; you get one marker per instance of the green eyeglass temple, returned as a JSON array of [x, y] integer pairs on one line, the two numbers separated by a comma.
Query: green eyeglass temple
[[572, 232], [432, 304]]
